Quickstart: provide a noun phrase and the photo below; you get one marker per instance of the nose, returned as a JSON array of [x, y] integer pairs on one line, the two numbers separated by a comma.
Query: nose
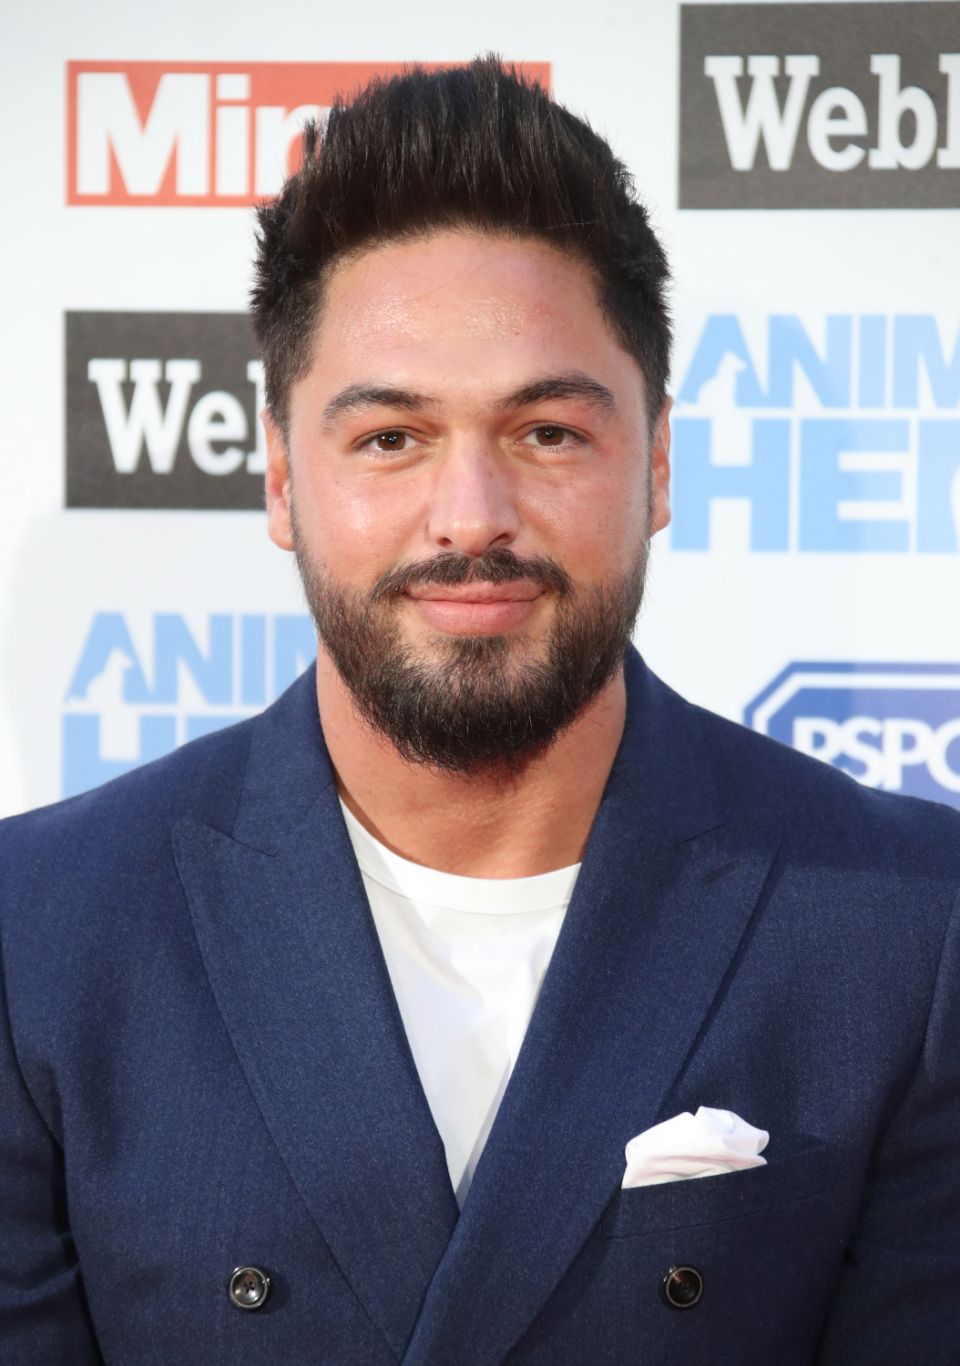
[[473, 504]]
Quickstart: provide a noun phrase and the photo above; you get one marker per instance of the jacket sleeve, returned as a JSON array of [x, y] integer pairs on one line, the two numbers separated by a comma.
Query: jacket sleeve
[[898, 1298], [43, 1313]]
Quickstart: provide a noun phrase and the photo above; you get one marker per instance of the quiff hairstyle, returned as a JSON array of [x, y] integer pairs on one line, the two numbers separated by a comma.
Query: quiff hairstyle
[[475, 146]]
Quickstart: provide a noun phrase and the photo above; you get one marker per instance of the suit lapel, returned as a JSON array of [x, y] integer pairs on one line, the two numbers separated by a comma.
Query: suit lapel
[[663, 900], [296, 968]]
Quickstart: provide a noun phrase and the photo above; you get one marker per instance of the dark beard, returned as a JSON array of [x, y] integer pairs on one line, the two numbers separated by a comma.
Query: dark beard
[[475, 708]]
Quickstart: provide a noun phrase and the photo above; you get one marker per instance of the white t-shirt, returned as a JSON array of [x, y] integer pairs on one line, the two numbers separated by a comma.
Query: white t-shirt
[[466, 957]]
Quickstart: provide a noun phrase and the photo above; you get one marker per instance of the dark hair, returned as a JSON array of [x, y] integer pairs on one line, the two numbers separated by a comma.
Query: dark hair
[[473, 146]]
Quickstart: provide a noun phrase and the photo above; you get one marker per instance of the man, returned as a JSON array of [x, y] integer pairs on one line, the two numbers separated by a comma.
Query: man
[[324, 1036]]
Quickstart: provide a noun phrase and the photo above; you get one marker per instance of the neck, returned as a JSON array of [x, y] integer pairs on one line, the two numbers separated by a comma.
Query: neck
[[486, 825]]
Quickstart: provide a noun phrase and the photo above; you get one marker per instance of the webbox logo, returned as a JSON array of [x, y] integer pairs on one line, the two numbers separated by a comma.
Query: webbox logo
[[820, 106], [193, 134], [162, 411]]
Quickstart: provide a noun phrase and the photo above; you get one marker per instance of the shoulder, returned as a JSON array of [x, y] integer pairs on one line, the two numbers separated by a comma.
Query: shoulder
[[107, 855], [824, 813], [89, 890], [862, 889], [203, 779], [820, 817]]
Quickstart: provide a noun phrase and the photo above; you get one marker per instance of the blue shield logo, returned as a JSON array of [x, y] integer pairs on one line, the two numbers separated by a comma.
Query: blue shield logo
[[890, 726]]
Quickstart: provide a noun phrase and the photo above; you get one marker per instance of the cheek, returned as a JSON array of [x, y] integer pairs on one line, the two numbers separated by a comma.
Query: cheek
[[595, 526], [357, 527]]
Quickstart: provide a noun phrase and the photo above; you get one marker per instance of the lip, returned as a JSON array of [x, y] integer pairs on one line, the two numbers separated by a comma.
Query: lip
[[476, 609], [475, 592]]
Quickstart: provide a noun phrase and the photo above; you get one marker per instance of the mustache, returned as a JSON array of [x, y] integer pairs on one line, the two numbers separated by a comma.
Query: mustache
[[497, 565]]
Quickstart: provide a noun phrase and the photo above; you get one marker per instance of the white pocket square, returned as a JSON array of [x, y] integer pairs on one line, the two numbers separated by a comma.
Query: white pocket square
[[704, 1144]]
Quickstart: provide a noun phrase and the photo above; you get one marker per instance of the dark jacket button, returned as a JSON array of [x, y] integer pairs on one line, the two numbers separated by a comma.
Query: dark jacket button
[[249, 1287], [682, 1287]]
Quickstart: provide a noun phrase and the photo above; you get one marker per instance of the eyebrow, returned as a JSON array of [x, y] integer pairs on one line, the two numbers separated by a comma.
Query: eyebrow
[[356, 397], [574, 385]]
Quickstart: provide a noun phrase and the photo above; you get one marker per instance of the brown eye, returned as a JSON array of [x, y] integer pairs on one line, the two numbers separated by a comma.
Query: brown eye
[[551, 436], [390, 441]]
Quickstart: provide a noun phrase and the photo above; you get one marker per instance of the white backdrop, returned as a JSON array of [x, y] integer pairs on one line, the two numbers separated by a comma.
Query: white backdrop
[[124, 630]]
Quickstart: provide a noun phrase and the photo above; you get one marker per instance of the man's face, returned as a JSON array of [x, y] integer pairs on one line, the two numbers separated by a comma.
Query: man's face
[[469, 484]]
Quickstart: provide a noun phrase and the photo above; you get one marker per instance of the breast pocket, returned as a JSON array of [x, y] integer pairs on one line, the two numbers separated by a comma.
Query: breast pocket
[[802, 1170], [736, 1268]]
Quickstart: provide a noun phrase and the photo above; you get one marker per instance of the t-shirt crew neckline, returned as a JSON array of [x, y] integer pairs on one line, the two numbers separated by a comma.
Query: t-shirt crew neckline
[[476, 895]]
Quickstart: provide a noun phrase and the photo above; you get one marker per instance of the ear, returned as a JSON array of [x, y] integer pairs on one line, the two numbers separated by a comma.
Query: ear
[[277, 484], [660, 470]]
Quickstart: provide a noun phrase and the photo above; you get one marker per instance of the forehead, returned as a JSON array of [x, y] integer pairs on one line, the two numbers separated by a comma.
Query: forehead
[[497, 280], [478, 308]]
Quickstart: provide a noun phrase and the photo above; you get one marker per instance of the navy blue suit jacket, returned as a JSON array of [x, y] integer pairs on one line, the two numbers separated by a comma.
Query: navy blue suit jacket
[[202, 1065]]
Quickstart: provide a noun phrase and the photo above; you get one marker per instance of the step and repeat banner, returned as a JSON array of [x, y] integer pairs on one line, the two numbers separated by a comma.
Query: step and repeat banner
[[802, 164]]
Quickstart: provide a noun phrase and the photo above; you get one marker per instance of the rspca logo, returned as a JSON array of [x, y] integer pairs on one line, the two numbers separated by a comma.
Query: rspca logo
[[825, 106], [838, 434], [890, 726], [141, 687]]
